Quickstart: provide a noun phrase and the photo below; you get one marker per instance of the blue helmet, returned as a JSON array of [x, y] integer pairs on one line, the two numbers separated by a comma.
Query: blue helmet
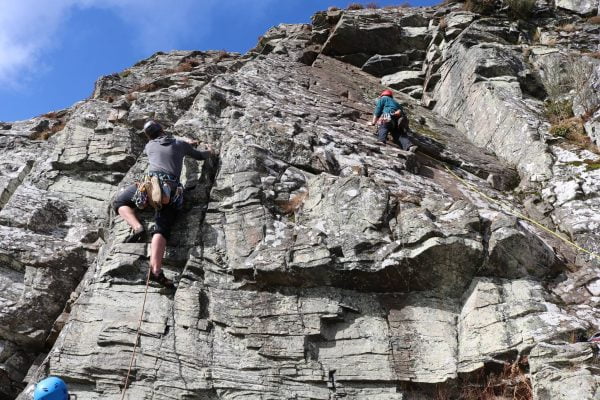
[[51, 388]]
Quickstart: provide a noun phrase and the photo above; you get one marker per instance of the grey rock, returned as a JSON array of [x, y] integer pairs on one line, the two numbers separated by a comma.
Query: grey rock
[[349, 35], [583, 7], [533, 319], [564, 371], [13, 174], [421, 325], [42, 272], [310, 262], [592, 128], [380, 65], [403, 79], [515, 252], [289, 40], [322, 21], [416, 91], [586, 81], [481, 81], [573, 198], [368, 32], [459, 19]]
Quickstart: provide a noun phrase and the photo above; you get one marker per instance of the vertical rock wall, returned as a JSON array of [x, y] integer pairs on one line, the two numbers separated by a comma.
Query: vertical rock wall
[[311, 263]]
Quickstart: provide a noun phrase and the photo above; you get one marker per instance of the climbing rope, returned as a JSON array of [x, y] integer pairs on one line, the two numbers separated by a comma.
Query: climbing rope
[[137, 335], [511, 211]]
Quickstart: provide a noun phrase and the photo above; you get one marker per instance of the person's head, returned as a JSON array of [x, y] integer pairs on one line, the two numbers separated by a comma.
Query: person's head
[[387, 92], [152, 129], [51, 388]]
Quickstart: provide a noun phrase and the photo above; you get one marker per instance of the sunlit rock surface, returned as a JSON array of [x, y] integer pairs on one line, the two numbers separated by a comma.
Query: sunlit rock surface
[[310, 262]]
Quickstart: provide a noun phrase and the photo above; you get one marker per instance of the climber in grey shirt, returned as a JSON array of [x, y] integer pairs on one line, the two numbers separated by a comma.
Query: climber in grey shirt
[[165, 157], [165, 154]]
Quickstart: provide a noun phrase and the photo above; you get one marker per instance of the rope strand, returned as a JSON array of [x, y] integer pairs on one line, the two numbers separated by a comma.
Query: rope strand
[[137, 335], [523, 217], [517, 214]]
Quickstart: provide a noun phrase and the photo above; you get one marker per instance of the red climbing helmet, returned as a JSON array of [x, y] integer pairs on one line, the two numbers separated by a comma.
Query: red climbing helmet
[[386, 92]]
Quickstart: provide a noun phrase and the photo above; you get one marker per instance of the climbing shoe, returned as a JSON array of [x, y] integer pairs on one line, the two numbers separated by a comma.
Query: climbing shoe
[[162, 280], [136, 236]]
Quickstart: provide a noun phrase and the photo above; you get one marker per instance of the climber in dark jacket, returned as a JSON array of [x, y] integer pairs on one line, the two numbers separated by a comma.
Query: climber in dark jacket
[[390, 118], [165, 158]]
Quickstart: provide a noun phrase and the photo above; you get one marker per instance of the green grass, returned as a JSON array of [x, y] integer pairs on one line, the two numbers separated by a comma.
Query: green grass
[[558, 110], [424, 131], [590, 165]]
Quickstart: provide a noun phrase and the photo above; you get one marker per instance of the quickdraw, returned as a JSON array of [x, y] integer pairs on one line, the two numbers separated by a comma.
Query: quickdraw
[[158, 189]]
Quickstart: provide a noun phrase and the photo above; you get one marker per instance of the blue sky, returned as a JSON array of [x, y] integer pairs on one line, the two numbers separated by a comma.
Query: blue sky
[[52, 51]]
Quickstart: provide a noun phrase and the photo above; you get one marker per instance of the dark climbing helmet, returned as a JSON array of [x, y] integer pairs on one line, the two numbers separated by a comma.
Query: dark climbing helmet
[[386, 92], [51, 388], [152, 129]]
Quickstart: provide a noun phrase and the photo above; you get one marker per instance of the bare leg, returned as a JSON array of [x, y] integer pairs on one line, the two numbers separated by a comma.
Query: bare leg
[[128, 214], [157, 252]]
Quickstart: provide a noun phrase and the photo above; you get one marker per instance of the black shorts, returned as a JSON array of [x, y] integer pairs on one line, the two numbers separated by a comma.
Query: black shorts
[[163, 219]]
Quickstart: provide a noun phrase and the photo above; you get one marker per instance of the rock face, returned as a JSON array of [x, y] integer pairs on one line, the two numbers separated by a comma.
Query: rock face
[[482, 82], [310, 262], [584, 7], [564, 371]]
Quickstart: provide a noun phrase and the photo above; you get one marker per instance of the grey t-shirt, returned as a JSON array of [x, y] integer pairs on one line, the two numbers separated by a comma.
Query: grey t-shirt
[[165, 154]]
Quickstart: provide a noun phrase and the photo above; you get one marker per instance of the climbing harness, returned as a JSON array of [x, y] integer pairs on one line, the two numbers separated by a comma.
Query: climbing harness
[[506, 208], [140, 198], [157, 189], [137, 335], [171, 188], [385, 118]]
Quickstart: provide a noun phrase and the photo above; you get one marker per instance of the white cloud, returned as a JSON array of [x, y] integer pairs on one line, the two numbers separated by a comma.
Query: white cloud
[[29, 29], [26, 29]]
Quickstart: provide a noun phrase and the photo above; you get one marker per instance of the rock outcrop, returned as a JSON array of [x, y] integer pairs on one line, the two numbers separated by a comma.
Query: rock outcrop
[[310, 262]]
